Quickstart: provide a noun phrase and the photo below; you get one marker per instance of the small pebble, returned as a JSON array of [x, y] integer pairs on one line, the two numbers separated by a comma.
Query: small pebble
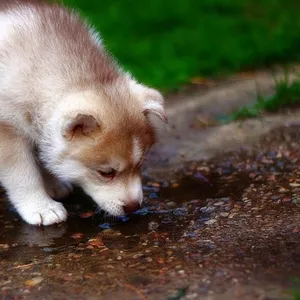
[[105, 226], [180, 211], [232, 215], [210, 222], [153, 196], [153, 226], [171, 204], [224, 214], [225, 199], [123, 218]]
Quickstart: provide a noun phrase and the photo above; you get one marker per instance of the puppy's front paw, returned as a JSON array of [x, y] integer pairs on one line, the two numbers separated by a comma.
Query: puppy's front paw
[[57, 189], [47, 212]]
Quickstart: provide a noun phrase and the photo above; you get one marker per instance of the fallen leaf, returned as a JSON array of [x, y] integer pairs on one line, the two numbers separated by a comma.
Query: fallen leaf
[[271, 178], [203, 121], [34, 281], [155, 184], [244, 75], [4, 246], [24, 267], [161, 260], [86, 215], [286, 199], [98, 243], [77, 236], [89, 276], [282, 190], [203, 81]]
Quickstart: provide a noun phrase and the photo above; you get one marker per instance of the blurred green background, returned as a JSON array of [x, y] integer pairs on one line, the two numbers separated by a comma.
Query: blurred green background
[[165, 43]]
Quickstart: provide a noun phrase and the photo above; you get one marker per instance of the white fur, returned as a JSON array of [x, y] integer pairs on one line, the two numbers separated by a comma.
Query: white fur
[[23, 182], [135, 189], [137, 151], [9, 22], [95, 35], [38, 97], [114, 198]]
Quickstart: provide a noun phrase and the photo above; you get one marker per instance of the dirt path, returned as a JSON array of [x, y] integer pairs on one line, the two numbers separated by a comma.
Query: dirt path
[[224, 227], [229, 226]]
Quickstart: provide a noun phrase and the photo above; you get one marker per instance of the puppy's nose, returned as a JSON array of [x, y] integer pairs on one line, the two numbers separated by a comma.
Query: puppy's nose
[[131, 207]]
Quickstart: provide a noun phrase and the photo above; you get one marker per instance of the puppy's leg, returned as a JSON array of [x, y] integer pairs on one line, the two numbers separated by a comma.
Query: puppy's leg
[[23, 182], [55, 188]]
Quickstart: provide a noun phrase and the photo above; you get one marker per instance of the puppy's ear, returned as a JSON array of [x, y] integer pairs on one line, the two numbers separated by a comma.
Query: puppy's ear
[[154, 104], [80, 125], [152, 101]]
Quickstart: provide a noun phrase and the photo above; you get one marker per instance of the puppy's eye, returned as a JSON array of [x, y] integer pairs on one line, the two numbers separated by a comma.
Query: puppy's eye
[[108, 174]]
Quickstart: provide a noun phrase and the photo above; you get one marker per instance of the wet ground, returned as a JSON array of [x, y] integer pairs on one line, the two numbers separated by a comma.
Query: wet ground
[[228, 228]]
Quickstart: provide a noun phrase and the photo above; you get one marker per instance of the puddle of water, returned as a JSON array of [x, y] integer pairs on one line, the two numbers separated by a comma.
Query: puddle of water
[[168, 205]]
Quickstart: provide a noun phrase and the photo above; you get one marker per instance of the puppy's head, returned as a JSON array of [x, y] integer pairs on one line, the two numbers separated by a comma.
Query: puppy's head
[[104, 139]]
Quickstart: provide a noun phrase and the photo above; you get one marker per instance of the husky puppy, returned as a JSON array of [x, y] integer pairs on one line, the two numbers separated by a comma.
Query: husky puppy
[[69, 115]]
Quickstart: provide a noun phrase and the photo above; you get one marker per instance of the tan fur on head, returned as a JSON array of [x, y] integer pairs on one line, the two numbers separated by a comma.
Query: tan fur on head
[[62, 94]]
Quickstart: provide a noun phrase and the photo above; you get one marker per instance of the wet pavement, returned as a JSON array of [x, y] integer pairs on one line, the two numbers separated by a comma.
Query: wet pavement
[[227, 228]]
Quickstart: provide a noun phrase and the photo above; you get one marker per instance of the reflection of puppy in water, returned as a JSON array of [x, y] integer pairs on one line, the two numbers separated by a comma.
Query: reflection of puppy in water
[[34, 236], [63, 95]]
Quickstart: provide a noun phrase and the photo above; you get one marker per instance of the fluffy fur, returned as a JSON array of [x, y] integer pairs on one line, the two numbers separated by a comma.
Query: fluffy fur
[[69, 115]]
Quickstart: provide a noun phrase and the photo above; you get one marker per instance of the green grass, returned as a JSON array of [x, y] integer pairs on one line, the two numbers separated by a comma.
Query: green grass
[[286, 94], [166, 43], [297, 296], [295, 292]]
